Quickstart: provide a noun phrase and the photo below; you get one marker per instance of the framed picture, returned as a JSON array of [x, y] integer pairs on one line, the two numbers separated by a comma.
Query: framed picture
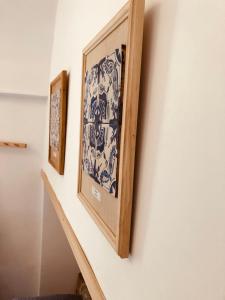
[[109, 108], [57, 122]]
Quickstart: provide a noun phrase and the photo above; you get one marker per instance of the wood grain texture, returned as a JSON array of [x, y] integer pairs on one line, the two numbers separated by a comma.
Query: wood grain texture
[[103, 226], [112, 36], [129, 123], [13, 145], [119, 18], [82, 261], [125, 28], [57, 159]]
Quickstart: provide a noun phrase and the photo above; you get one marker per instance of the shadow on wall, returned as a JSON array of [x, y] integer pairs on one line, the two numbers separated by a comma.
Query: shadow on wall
[[59, 270], [21, 119], [157, 45]]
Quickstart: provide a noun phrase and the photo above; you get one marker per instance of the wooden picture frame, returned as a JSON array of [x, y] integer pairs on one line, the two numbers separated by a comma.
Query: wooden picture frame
[[57, 122], [112, 212]]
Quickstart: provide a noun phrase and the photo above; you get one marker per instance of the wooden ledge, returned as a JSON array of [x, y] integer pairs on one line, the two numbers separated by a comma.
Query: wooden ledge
[[82, 261], [13, 145], [22, 94]]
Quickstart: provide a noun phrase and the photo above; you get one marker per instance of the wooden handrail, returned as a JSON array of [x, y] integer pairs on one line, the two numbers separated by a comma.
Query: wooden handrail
[[82, 261], [12, 144]]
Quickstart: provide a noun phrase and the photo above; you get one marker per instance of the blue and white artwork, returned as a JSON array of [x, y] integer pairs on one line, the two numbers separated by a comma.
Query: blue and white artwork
[[102, 120], [55, 120]]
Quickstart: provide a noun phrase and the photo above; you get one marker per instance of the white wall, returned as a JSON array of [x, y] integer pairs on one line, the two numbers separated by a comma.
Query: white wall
[[26, 30], [59, 269], [178, 235], [21, 120], [26, 39]]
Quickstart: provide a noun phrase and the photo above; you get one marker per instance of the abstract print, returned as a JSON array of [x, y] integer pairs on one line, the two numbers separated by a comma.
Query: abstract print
[[55, 120], [102, 120]]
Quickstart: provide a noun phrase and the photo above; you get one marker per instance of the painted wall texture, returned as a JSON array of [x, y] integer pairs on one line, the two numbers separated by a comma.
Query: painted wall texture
[[21, 196], [59, 271], [26, 40], [178, 237], [26, 29]]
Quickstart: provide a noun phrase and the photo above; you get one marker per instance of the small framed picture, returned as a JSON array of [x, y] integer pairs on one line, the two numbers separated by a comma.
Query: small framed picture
[[109, 108], [57, 122]]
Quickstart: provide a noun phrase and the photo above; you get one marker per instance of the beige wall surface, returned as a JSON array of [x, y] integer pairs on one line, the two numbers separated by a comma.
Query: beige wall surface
[[21, 120], [59, 269], [26, 30], [178, 238]]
